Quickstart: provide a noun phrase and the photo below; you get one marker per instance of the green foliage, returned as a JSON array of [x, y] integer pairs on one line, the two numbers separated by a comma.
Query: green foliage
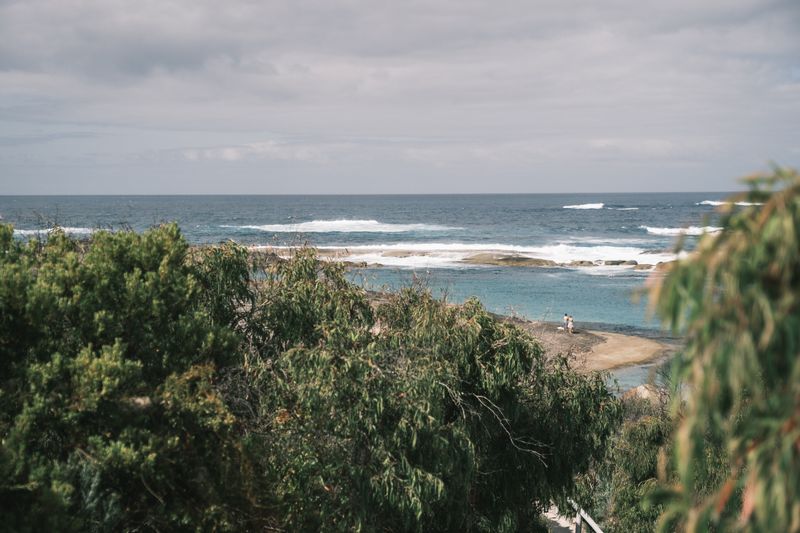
[[109, 410], [615, 489], [147, 385], [417, 416], [736, 298]]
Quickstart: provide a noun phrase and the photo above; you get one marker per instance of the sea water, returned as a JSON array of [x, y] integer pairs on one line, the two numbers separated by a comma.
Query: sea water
[[429, 237]]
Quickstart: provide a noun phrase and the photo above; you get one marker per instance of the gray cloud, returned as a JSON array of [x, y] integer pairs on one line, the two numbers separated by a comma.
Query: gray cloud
[[356, 96]]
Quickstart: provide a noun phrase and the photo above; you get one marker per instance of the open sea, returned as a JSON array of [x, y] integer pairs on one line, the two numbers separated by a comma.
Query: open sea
[[432, 237]]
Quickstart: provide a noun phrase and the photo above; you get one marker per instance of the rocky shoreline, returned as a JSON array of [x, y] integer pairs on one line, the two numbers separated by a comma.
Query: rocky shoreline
[[272, 254]]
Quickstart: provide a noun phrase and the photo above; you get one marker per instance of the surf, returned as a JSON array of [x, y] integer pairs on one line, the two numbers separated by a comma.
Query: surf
[[343, 226], [690, 230]]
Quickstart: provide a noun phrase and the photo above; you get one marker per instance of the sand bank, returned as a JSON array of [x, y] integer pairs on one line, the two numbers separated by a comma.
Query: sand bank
[[622, 350], [595, 350]]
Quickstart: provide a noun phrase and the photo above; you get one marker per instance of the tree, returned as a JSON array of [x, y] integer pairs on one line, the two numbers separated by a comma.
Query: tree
[[110, 418], [737, 299], [149, 385], [416, 415]]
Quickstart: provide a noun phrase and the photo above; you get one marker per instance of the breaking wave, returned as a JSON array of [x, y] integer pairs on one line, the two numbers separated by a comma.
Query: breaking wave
[[469, 255], [42, 231], [691, 230], [344, 226], [716, 203], [585, 206]]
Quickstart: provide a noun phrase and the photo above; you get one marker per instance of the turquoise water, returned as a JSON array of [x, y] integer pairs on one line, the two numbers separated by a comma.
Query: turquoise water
[[533, 293]]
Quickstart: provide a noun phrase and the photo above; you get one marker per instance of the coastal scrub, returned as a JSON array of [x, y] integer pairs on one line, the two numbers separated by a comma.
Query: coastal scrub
[[149, 385]]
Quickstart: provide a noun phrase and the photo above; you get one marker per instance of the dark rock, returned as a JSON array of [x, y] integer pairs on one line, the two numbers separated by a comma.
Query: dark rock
[[509, 260]]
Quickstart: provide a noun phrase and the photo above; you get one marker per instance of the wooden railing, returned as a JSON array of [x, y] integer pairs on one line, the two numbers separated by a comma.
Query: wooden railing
[[581, 518]]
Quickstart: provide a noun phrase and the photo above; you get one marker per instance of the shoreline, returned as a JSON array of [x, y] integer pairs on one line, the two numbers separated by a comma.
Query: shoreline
[[355, 256], [595, 350]]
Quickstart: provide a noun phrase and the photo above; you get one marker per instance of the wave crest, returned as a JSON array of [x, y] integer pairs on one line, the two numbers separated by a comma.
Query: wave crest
[[585, 206], [691, 230], [41, 231], [716, 203], [344, 226], [458, 255]]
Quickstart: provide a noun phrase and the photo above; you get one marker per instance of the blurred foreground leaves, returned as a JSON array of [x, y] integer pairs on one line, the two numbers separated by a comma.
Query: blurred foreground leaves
[[737, 301]]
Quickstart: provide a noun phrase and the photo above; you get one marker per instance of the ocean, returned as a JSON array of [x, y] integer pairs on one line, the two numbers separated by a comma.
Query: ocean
[[456, 244]]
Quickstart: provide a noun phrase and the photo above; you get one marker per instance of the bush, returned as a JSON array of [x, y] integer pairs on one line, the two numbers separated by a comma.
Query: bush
[[110, 418], [616, 488]]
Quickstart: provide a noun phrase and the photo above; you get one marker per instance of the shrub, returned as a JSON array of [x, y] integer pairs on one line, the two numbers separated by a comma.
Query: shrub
[[110, 416]]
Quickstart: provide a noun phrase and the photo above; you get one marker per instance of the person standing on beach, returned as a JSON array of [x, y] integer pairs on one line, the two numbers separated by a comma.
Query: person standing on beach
[[570, 324], [565, 320]]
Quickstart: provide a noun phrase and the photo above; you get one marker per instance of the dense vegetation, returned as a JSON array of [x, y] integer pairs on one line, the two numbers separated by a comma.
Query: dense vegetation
[[145, 385], [615, 489]]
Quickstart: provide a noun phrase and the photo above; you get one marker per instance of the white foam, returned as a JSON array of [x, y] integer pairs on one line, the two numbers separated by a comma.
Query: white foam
[[42, 231], [585, 206], [691, 230], [440, 254], [716, 203], [607, 240], [443, 260], [344, 226]]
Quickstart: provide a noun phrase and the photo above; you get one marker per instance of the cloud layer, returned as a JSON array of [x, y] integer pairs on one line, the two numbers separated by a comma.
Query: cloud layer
[[468, 96]]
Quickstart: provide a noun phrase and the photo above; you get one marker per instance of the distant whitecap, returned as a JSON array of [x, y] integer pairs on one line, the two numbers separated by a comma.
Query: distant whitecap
[[585, 206]]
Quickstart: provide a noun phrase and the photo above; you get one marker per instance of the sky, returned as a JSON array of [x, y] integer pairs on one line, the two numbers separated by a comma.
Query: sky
[[372, 96]]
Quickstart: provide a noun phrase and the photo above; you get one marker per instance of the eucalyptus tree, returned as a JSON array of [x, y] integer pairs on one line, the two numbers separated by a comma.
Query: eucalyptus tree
[[737, 300]]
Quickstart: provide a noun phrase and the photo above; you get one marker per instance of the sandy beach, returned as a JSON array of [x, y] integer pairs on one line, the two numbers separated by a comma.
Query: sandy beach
[[595, 350]]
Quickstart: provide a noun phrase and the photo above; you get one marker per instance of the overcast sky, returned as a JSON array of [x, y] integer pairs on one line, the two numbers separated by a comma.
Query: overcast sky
[[268, 96]]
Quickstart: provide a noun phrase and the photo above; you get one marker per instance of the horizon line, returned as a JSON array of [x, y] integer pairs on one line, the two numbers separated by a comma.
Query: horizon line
[[99, 195]]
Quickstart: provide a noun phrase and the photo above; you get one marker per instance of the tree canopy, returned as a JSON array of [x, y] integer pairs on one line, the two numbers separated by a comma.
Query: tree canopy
[[145, 384]]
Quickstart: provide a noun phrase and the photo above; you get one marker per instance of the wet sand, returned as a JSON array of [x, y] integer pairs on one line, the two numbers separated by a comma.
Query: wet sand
[[594, 350]]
